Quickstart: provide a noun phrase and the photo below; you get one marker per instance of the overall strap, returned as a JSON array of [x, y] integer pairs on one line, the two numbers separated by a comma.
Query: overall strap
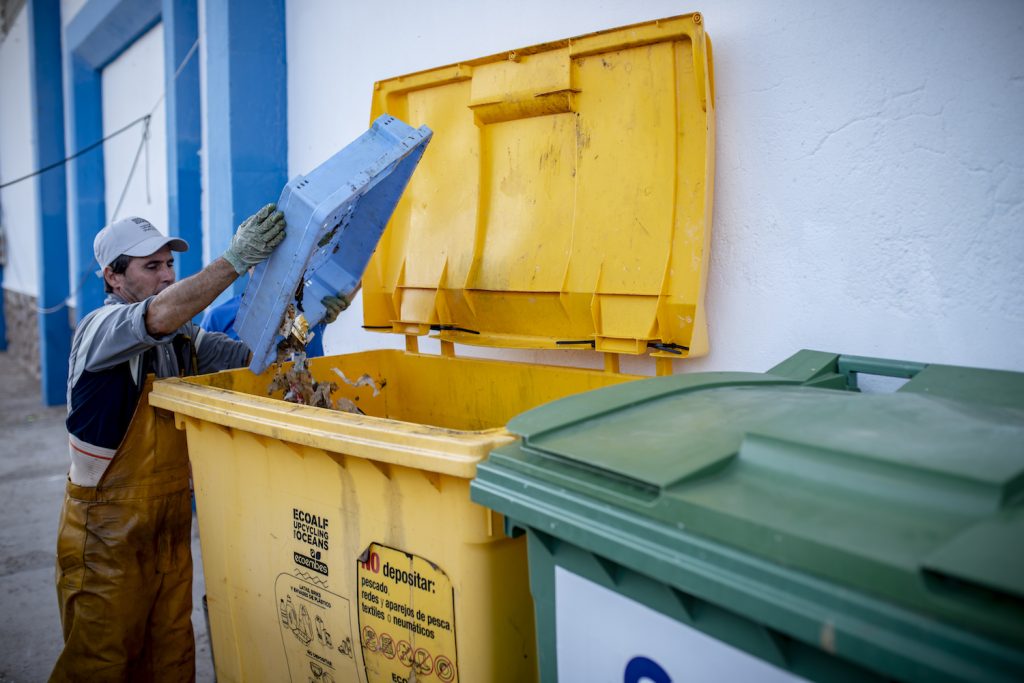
[[152, 459]]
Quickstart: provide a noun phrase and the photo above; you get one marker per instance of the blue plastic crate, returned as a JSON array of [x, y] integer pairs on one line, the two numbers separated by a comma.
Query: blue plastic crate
[[335, 218]]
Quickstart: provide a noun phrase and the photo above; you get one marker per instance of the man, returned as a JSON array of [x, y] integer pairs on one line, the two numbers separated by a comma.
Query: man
[[124, 564]]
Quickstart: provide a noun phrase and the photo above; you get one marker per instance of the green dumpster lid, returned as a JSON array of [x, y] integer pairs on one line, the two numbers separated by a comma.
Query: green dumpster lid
[[914, 496]]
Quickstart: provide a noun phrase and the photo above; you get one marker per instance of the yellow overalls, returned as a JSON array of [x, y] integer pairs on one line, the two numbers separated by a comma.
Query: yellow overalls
[[124, 561]]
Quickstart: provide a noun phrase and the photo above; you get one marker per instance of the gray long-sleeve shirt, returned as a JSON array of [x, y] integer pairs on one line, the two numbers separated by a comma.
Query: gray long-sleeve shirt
[[110, 356]]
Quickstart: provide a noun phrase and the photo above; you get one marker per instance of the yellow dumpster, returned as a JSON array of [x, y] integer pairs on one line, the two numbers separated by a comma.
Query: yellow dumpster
[[564, 203]]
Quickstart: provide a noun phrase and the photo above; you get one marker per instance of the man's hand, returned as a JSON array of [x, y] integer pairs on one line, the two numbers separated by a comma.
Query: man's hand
[[334, 305], [255, 238]]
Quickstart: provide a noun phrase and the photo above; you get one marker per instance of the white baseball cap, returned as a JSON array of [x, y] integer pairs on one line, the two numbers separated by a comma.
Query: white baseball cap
[[132, 236]]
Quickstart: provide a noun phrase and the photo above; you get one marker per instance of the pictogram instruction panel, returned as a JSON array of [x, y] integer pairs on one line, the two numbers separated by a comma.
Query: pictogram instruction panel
[[406, 618]]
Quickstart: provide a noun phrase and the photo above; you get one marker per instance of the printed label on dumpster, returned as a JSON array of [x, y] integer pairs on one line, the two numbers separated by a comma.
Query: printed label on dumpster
[[316, 631], [313, 533], [406, 617]]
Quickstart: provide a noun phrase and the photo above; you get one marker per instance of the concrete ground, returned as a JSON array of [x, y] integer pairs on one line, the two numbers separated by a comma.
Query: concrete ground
[[33, 469]]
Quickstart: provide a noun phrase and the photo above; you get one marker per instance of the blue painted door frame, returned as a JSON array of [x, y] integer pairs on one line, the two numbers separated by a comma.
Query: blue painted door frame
[[99, 33], [246, 95], [247, 118]]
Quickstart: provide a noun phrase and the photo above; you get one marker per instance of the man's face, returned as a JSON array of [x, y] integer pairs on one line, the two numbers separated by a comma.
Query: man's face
[[144, 277]]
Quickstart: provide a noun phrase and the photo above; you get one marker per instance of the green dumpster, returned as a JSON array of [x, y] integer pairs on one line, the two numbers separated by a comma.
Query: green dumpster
[[777, 526]]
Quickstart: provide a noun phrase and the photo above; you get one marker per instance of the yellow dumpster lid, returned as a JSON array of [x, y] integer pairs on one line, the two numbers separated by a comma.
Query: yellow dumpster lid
[[565, 201]]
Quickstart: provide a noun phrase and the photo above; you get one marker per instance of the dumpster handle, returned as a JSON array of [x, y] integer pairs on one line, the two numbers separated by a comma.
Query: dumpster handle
[[851, 366]]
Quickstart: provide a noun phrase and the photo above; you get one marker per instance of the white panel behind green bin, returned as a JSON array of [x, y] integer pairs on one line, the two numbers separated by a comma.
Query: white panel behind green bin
[[335, 217], [641, 643]]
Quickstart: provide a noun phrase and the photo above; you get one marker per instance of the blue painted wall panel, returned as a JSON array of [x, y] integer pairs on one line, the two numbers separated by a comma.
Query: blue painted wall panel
[[48, 122], [247, 107], [184, 131], [88, 205]]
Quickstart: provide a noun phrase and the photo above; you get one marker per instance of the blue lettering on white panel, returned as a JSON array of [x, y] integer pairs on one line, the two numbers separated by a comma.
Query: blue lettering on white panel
[[644, 669]]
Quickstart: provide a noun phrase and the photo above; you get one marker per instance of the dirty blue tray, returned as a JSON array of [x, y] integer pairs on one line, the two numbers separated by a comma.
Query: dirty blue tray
[[335, 218]]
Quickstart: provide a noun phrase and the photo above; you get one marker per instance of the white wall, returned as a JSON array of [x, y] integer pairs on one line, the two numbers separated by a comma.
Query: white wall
[[68, 10], [132, 85], [870, 159], [17, 158], [870, 186]]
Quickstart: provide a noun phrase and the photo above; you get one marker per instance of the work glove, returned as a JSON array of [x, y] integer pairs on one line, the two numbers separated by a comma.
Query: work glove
[[255, 238], [334, 305]]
